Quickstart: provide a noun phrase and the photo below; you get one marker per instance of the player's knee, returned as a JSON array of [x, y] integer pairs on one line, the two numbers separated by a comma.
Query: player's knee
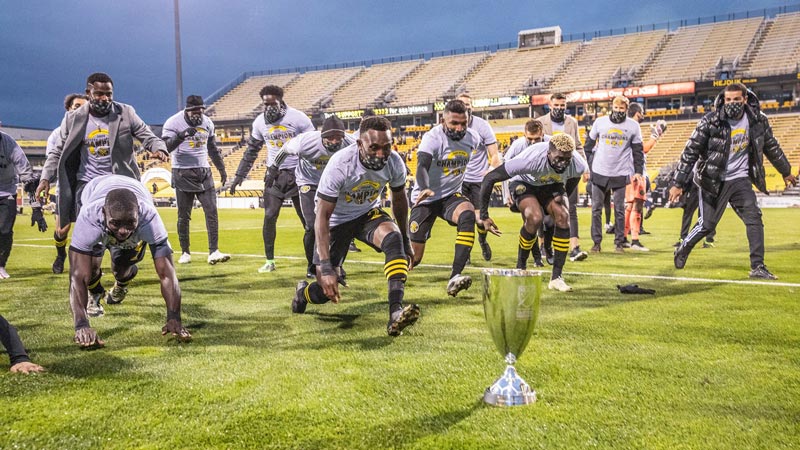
[[466, 221]]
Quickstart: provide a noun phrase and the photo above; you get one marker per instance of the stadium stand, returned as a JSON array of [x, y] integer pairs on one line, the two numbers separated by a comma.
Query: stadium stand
[[242, 100], [435, 78], [778, 49], [370, 85], [307, 91], [600, 59], [691, 53]]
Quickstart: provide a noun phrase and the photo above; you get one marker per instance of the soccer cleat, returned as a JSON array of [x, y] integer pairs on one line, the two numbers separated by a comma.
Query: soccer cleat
[[353, 248], [619, 249], [761, 272], [643, 231], [458, 283], [649, 212], [401, 319], [626, 243], [3, 274], [636, 245], [268, 266], [708, 244], [609, 228], [185, 258], [218, 257], [486, 251], [577, 254], [299, 302], [116, 295], [549, 255], [681, 255], [558, 284], [58, 264], [538, 263], [595, 248], [94, 308]]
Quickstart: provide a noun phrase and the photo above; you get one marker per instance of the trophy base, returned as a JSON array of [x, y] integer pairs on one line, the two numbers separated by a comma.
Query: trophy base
[[509, 390]]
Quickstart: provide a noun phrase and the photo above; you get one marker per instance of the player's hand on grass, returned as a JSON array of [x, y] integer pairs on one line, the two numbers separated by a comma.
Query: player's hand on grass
[[491, 227], [330, 286], [424, 194], [26, 368], [87, 337], [675, 194], [178, 331]]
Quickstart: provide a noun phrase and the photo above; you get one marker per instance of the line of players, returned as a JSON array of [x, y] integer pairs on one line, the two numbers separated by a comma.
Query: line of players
[[336, 183]]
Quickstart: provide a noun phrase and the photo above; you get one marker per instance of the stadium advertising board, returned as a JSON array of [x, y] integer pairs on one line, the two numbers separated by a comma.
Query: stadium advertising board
[[491, 102], [404, 110], [350, 114], [601, 95], [791, 77]]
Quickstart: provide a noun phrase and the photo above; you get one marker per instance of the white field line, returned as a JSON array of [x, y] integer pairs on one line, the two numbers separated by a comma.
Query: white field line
[[478, 269]]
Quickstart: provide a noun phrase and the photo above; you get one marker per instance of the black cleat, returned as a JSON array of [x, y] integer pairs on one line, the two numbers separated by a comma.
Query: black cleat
[[681, 255], [649, 212], [761, 272], [58, 264], [401, 319], [577, 254], [549, 255], [538, 263], [353, 248], [299, 302], [486, 251]]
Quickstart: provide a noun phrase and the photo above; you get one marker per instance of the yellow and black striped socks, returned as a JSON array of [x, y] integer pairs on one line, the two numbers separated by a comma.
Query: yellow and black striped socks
[[313, 293], [560, 250], [481, 233], [395, 268], [465, 239], [95, 286], [526, 243], [61, 244]]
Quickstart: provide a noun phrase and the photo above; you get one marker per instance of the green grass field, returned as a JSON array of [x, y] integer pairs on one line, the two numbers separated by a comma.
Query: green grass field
[[707, 363]]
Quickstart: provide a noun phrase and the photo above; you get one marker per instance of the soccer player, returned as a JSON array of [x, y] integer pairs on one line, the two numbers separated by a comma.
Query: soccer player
[[275, 127], [553, 124], [532, 134], [614, 152], [14, 168], [95, 140], [545, 172], [728, 146], [118, 215], [348, 206], [190, 139], [635, 193], [20, 362], [71, 103], [442, 159], [313, 150], [483, 156]]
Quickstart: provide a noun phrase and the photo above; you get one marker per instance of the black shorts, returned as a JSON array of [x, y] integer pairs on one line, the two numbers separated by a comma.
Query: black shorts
[[544, 194], [473, 192], [198, 179], [423, 216], [76, 198], [284, 186], [361, 228], [125, 257]]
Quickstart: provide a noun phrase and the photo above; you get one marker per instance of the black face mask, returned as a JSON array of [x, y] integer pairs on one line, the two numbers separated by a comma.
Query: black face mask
[[371, 162], [734, 110], [557, 115], [273, 113], [332, 146], [617, 116], [455, 135], [101, 107], [194, 121]]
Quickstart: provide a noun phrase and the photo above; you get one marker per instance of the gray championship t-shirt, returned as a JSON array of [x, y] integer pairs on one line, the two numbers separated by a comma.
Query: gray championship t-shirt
[[193, 151], [89, 233], [276, 135], [312, 156], [479, 160], [613, 156], [531, 167], [14, 167], [355, 188], [739, 159], [96, 150], [449, 164]]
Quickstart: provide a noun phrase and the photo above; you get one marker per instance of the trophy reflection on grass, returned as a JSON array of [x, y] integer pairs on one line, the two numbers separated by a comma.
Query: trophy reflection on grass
[[511, 305]]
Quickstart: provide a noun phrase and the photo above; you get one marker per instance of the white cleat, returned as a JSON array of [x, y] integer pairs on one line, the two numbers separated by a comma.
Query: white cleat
[[268, 266], [639, 247], [558, 284], [3, 274], [458, 283], [185, 258], [218, 257]]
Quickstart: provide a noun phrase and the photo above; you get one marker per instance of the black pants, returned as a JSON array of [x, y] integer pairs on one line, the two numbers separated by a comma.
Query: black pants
[[573, 214], [691, 201], [272, 209], [208, 200], [739, 193], [599, 194], [8, 215]]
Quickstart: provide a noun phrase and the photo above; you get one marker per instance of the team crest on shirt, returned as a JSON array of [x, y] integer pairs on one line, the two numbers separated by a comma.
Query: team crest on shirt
[[413, 226], [551, 178], [305, 189], [278, 135], [614, 137], [97, 142], [199, 139], [455, 164], [365, 192], [320, 163]]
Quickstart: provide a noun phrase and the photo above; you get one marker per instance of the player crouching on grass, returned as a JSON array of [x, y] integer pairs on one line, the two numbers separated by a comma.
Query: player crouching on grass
[[118, 214], [540, 174], [349, 206]]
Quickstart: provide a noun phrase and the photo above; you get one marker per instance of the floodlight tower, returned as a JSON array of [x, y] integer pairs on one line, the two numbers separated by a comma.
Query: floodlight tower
[[178, 70]]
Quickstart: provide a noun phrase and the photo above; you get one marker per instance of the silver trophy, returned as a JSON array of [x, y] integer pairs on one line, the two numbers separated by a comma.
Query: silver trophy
[[511, 305]]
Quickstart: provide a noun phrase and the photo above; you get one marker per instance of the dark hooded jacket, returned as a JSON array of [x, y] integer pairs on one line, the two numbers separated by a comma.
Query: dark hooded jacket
[[710, 144]]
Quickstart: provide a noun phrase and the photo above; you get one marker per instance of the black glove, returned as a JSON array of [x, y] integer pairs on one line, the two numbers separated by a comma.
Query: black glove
[[191, 131], [37, 217], [272, 175], [30, 186], [634, 289], [237, 181], [223, 177]]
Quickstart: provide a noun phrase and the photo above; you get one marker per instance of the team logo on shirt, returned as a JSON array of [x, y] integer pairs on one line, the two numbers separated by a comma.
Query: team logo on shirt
[[739, 140], [320, 163], [199, 139], [97, 142], [520, 189], [455, 164], [550, 178], [365, 192], [413, 226], [614, 137], [278, 135], [305, 189]]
